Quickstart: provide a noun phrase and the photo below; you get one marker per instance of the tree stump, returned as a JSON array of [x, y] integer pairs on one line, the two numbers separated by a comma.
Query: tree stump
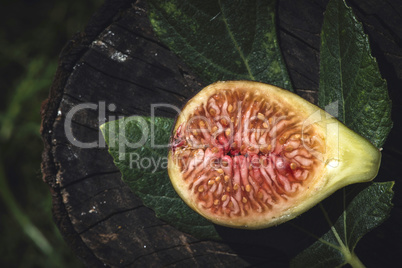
[[117, 67]]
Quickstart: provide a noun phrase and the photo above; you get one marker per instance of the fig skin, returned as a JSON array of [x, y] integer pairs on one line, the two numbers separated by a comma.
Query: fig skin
[[345, 158]]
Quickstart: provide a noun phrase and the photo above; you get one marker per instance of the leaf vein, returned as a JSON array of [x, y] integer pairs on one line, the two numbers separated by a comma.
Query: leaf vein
[[192, 48], [236, 45]]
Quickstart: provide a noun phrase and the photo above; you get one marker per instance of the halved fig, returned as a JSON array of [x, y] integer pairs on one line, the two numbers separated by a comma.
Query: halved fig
[[250, 155]]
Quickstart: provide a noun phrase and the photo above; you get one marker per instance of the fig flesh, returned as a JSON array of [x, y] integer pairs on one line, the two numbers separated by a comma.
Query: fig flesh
[[250, 155]]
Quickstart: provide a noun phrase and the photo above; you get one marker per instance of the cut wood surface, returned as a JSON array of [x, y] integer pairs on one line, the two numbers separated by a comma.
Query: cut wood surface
[[117, 67]]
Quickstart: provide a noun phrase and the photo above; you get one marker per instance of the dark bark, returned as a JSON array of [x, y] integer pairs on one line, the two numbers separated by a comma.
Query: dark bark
[[117, 60]]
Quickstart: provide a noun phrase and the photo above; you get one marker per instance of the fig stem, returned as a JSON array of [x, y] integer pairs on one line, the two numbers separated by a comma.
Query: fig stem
[[315, 236], [332, 227], [352, 259]]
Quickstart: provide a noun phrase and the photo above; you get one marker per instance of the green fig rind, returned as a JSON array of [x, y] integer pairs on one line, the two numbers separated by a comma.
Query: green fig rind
[[345, 157]]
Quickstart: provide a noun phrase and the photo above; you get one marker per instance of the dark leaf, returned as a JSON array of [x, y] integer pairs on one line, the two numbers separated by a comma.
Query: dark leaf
[[351, 87], [138, 146], [223, 40], [335, 248]]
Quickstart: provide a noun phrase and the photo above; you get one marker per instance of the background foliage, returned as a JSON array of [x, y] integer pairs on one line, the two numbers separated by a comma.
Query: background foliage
[[32, 35]]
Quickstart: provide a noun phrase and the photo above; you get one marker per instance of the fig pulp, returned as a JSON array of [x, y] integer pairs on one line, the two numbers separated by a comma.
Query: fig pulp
[[250, 155]]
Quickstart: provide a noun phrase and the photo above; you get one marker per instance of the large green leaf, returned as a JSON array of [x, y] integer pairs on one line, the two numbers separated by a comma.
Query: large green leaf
[[224, 39], [351, 86], [139, 149], [335, 248]]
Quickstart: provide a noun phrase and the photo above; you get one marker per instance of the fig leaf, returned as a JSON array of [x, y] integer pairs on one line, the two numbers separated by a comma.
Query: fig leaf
[[223, 40], [351, 87], [335, 248], [144, 169]]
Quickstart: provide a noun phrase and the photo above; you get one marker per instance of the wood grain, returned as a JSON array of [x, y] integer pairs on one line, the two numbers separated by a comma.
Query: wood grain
[[118, 61]]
